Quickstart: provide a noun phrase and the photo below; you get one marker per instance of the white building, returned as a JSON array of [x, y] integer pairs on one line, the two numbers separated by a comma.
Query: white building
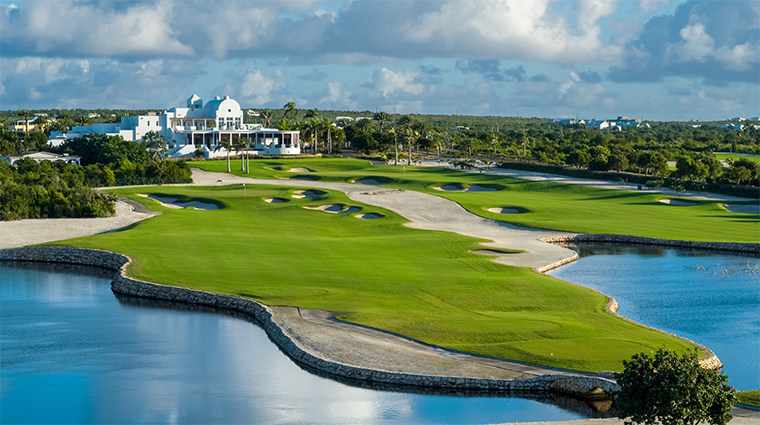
[[43, 156], [197, 127]]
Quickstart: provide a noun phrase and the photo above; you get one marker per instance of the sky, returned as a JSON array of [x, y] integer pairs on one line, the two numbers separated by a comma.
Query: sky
[[661, 60]]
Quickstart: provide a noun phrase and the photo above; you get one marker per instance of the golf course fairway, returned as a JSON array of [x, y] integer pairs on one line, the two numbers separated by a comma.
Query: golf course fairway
[[419, 283]]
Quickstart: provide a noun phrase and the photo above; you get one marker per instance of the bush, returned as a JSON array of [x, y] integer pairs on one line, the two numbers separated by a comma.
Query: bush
[[672, 390]]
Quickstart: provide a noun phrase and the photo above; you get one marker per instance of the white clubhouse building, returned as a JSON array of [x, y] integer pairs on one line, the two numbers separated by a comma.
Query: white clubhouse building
[[197, 127]]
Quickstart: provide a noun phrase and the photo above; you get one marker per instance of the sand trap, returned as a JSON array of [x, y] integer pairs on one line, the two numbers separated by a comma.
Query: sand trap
[[499, 210], [276, 200], [369, 181], [743, 209], [335, 209], [369, 216], [471, 188], [677, 203], [308, 194], [299, 170], [172, 203]]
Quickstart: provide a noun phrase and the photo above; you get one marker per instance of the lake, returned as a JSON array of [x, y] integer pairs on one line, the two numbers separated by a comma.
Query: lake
[[712, 298], [71, 352]]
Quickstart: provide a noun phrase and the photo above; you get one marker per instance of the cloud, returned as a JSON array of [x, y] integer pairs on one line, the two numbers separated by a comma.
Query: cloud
[[489, 69], [718, 42], [387, 82], [568, 84], [258, 88], [338, 96], [313, 75], [517, 73]]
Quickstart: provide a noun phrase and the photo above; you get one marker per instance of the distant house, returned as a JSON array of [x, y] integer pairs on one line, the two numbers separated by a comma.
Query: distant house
[[252, 113], [20, 125], [42, 156], [566, 121], [343, 118], [460, 127], [737, 119], [738, 127], [598, 125], [362, 118]]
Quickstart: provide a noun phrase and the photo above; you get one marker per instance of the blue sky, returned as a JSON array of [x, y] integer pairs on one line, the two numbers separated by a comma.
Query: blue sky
[[660, 59]]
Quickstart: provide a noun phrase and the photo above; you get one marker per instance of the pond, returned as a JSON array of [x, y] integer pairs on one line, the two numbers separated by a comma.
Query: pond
[[71, 352], [712, 298]]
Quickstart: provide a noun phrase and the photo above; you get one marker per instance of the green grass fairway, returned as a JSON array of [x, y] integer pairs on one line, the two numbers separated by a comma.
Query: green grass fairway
[[750, 398], [737, 156], [553, 206], [422, 284]]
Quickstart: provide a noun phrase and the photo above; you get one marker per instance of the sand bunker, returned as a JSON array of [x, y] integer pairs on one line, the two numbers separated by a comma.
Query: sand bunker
[[335, 209], [276, 200], [471, 188], [499, 210], [308, 194], [677, 203], [369, 216], [299, 170], [743, 209], [172, 203], [369, 181]]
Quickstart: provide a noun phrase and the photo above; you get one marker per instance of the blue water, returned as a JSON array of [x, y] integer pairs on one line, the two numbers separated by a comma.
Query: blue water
[[70, 352], [712, 299]]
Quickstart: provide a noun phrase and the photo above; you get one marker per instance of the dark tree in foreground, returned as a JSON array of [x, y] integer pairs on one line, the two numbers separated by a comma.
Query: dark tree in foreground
[[673, 390]]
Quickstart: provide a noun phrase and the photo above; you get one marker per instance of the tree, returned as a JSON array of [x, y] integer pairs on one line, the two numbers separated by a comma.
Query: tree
[[381, 117], [267, 115], [290, 108], [283, 125], [227, 145], [155, 143], [240, 145], [26, 115], [672, 390]]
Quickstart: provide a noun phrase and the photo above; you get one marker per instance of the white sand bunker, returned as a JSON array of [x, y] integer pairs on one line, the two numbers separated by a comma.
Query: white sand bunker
[[743, 209], [299, 170], [172, 203], [369, 181], [308, 194], [677, 203], [335, 209], [500, 210], [369, 216], [471, 188], [276, 200]]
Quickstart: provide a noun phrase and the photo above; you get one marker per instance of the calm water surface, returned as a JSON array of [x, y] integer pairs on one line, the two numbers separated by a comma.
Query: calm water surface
[[70, 352], [710, 298]]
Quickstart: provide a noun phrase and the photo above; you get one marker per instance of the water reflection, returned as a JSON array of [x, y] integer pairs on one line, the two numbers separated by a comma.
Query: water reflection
[[711, 297], [67, 340]]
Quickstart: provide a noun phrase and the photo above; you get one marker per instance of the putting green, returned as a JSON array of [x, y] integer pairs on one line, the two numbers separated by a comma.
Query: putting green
[[554, 206], [423, 284]]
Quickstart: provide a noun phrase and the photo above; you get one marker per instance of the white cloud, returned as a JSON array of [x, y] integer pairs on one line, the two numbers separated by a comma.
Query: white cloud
[[337, 95], [740, 57], [513, 29], [258, 88], [697, 44], [650, 5], [568, 84], [387, 82]]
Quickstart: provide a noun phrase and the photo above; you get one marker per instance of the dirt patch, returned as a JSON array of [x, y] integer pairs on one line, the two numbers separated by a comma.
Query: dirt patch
[[299, 170]]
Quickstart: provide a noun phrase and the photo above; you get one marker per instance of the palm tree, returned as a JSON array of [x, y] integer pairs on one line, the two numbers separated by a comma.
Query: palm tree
[[240, 145], [155, 143], [64, 120], [283, 125], [41, 121], [381, 117], [326, 124], [411, 135], [290, 108], [26, 115], [494, 141], [525, 141], [392, 131], [83, 120], [227, 145], [314, 126], [267, 116]]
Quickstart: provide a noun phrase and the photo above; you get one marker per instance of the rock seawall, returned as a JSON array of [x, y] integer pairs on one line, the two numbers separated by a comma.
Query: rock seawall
[[588, 387], [747, 248]]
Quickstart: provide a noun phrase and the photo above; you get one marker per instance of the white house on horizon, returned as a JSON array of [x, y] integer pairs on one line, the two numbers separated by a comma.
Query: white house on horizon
[[196, 127]]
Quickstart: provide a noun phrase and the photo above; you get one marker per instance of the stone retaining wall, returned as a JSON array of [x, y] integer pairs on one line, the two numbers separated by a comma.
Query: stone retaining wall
[[748, 248], [589, 387]]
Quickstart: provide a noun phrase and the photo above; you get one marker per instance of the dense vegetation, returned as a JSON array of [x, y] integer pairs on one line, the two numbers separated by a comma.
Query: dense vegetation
[[32, 190], [283, 254]]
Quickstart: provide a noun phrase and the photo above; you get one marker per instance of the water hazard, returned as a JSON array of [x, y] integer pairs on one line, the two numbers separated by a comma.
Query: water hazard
[[708, 297], [71, 352]]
